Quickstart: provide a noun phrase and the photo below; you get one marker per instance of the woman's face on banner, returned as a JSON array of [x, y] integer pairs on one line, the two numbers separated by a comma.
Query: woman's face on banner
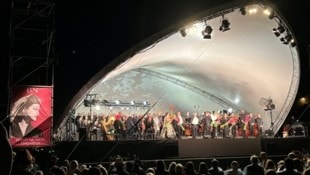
[[33, 111]]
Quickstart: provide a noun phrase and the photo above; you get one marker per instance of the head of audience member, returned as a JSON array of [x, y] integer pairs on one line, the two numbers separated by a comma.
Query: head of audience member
[[179, 169], [150, 170], [298, 165], [160, 165], [214, 163], [203, 168], [263, 156], [280, 165], [129, 166], [118, 163], [234, 165], [190, 168], [103, 170], [254, 159], [270, 164], [171, 167], [74, 165], [289, 164]]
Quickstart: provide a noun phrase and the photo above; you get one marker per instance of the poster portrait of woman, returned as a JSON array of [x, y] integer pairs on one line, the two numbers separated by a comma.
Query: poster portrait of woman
[[31, 116], [25, 110]]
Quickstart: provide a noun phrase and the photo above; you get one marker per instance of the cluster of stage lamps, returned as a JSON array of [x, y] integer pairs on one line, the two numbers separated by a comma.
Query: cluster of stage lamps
[[281, 31]]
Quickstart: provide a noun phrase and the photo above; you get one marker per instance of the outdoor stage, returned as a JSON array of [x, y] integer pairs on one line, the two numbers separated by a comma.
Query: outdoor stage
[[101, 151]]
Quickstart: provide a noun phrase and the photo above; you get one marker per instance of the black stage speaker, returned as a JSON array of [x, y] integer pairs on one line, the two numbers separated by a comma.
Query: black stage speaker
[[82, 134]]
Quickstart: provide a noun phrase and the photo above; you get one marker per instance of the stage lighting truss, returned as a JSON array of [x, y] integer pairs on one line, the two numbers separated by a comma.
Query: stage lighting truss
[[116, 103]]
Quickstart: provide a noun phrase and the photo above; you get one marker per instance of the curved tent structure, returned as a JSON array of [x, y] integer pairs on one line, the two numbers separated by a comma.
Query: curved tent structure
[[246, 67]]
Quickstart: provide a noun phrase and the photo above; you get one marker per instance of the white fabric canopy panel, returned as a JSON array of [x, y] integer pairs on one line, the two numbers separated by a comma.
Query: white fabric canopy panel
[[235, 68]]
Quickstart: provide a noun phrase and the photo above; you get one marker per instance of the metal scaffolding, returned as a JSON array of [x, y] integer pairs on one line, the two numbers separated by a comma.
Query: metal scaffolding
[[32, 42], [224, 103]]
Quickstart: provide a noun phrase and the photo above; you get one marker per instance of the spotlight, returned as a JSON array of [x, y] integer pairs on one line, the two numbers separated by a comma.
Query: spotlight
[[252, 10], [277, 31], [243, 11], [280, 29], [288, 39], [225, 25], [94, 101], [87, 103], [206, 33], [183, 32], [293, 43], [271, 15], [105, 102]]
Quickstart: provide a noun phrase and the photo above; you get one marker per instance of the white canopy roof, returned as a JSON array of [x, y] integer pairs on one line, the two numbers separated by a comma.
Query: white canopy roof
[[236, 68]]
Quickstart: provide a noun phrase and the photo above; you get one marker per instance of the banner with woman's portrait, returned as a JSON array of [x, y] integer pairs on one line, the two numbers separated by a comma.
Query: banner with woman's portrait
[[31, 116]]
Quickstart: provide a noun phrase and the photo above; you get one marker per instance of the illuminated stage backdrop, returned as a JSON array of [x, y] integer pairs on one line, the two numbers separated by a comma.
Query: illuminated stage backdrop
[[31, 116]]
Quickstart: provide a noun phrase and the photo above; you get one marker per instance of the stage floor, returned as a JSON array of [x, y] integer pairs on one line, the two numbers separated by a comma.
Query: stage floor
[[103, 151]]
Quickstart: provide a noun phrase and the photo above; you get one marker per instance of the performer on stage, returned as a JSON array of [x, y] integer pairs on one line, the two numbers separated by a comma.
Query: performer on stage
[[187, 125], [168, 130], [224, 125], [233, 124], [206, 122], [241, 123], [180, 128], [119, 126], [149, 127], [214, 125], [107, 124], [258, 125], [195, 122]]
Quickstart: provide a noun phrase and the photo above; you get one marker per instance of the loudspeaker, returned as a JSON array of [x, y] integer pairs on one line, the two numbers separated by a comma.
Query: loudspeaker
[[82, 134]]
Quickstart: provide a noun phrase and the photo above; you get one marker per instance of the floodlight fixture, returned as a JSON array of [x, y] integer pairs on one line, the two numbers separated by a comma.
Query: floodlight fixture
[[243, 11], [206, 33], [224, 24], [278, 31], [183, 32]]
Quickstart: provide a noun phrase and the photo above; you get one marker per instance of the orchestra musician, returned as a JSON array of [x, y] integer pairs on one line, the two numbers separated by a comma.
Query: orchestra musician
[[130, 127], [107, 124], [246, 127], [149, 127], [206, 122], [179, 127], [188, 126], [258, 127], [195, 122], [168, 129], [241, 123], [118, 126], [233, 124], [214, 125], [224, 125]]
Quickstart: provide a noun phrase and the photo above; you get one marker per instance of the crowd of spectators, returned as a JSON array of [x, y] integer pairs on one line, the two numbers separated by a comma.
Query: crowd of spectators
[[24, 163]]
